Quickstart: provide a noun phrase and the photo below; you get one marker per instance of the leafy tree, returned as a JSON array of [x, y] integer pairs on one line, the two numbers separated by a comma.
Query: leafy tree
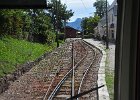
[[23, 23], [100, 6], [11, 22], [88, 24], [28, 23], [41, 23], [59, 13], [84, 24]]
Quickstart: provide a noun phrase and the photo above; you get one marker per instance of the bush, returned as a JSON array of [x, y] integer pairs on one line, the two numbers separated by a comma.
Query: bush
[[90, 35], [61, 36], [50, 37]]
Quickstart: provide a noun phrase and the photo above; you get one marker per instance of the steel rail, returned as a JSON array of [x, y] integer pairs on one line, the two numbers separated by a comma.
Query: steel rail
[[51, 84], [79, 90], [67, 75], [63, 80]]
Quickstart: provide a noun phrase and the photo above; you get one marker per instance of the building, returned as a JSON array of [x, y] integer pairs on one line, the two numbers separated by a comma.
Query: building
[[73, 29], [112, 23], [70, 32]]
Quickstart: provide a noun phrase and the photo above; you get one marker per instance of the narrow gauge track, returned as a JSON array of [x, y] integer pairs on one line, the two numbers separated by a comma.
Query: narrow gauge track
[[89, 79], [63, 89], [80, 71], [61, 72]]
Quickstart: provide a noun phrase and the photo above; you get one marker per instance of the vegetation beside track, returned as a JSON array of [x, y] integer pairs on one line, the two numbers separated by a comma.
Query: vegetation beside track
[[14, 52], [109, 78]]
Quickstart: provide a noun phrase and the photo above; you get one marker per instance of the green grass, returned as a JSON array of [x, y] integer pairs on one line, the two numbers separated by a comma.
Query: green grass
[[109, 78], [14, 52], [61, 42], [110, 82]]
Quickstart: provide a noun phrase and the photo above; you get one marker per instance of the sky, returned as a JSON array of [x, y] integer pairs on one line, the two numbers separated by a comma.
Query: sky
[[81, 8]]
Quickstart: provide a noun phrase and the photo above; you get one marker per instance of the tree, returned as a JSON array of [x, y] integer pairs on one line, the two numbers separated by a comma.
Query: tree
[[31, 23], [12, 22], [100, 6], [84, 24], [41, 25], [24, 23], [59, 13], [88, 24]]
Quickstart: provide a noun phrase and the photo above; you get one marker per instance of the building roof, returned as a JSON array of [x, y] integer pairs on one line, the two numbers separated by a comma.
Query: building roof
[[103, 21], [114, 7], [71, 28]]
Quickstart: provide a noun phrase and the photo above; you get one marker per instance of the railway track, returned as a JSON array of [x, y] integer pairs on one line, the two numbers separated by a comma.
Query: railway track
[[86, 83], [60, 72], [80, 76]]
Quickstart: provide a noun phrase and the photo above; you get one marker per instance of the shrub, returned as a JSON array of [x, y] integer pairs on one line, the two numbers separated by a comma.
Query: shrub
[[61, 36]]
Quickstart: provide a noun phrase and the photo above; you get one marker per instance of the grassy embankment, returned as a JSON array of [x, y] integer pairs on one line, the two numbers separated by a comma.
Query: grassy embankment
[[14, 52]]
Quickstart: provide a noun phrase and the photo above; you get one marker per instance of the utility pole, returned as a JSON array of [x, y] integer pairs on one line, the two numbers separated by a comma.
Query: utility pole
[[32, 25], [107, 47], [57, 23], [54, 18], [72, 74], [64, 28], [83, 34]]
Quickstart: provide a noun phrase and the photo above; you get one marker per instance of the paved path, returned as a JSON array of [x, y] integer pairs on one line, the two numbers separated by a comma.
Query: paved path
[[111, 55]]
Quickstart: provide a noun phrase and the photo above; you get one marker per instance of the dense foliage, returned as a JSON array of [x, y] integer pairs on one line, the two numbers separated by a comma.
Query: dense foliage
[[33, 24], [19, 26], [88, 24], [22, 24]]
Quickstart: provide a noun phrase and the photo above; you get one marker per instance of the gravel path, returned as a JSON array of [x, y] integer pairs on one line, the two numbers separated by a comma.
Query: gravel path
[[111, 57]]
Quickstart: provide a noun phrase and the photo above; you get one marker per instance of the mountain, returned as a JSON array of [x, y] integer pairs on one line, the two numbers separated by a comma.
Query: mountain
[[76, 24]]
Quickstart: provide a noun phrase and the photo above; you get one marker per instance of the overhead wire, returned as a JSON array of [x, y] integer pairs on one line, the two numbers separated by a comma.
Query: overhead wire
[[84, 4]]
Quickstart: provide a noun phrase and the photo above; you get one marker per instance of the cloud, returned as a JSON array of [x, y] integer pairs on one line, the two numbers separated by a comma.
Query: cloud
[[110, 1], [78, 2], [81, 8]]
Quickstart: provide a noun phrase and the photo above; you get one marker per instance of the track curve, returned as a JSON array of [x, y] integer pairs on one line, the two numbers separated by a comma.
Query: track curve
[[85, 59]]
